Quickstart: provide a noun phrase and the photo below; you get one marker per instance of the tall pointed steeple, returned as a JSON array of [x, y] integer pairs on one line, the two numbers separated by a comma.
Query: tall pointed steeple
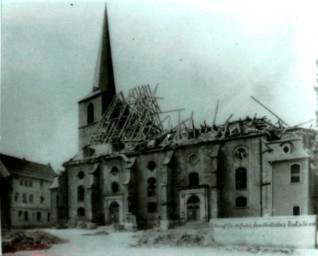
[[93, 106], [104, 73]]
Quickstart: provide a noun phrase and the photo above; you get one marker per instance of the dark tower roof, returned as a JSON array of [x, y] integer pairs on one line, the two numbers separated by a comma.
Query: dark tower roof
[[104, 73]]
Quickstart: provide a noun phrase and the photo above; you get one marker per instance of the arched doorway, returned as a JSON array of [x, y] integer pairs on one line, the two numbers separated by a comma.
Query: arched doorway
[[114, 213], [193, 209]]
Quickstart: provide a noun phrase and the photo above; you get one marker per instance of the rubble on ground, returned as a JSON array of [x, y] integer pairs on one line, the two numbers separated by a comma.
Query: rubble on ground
[[197, 238], [28, 241], [155, 237], [98, 233]]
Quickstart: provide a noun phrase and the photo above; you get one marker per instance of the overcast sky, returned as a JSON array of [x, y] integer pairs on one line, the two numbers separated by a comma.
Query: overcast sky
[[198, 52]]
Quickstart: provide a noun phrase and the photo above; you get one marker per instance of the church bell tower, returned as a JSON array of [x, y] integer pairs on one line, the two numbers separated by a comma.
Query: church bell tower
[[92, 107]]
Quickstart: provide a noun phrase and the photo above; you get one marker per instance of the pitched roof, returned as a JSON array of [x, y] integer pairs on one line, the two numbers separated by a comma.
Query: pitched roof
[[27, 168], [3, 171]]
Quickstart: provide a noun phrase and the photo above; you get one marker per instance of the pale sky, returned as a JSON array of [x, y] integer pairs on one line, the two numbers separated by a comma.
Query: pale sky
[[198, 52]]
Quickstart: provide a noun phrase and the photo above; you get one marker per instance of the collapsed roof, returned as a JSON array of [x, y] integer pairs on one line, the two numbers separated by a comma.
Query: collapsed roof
[[135, 124]]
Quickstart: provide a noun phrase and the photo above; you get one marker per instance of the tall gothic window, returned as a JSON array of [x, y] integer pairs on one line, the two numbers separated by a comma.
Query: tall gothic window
[[115, 187], [193, 179], [90, 113], [80, 193], [240, 178], [295, 173], [152, 207], [296, 210], [152, 187], [241, 201], [81, 212]]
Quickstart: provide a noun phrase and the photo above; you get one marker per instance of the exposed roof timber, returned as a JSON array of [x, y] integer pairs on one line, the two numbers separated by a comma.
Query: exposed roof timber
[[134, 124], [269, 110]]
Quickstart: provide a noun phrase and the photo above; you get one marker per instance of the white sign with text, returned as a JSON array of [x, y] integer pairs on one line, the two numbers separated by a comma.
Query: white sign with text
[[289, 231]]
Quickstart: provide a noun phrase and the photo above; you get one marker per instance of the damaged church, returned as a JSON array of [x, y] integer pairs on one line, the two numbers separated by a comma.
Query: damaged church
[[135, 169]]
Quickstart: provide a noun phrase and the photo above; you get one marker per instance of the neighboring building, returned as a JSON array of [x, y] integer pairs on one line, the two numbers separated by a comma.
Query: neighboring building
[[26, 201], [131, 170], [59, 200]]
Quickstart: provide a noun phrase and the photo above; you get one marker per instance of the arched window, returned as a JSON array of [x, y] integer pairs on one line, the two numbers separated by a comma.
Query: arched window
[[81, 212], [295, 173], [241, 201], [296, 210], [152, 186], [152, 207], [90, 113], [115, 187], [80, 193], [240, 178], [193, 179], [114, 170]]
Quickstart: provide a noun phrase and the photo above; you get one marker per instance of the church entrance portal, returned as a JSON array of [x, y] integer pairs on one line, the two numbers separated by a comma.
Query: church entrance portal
[[193, 209], [114, 213]]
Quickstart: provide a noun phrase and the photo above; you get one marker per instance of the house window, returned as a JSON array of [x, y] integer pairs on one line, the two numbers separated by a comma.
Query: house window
[[24, 198], [296, 210], [26, 183], [26, 216], [38, 216], [31, 198], [21, 182], [16, 197], [152, 207], [241, 201], [152, 187], [295, 173], [20, 213], [90, 113], [31, 184], [240, 178], [48, 217], [81, 212], [114, 170], [193, 179], [115, 187], [41, 183], [81, 175], [42, 199], [151, 165], [80, 193]]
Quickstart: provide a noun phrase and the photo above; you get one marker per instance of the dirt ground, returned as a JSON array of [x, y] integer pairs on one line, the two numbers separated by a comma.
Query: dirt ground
[[103, 242]]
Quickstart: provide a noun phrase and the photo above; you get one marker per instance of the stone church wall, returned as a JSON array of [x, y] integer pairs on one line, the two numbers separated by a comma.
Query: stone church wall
[[229, 163]]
